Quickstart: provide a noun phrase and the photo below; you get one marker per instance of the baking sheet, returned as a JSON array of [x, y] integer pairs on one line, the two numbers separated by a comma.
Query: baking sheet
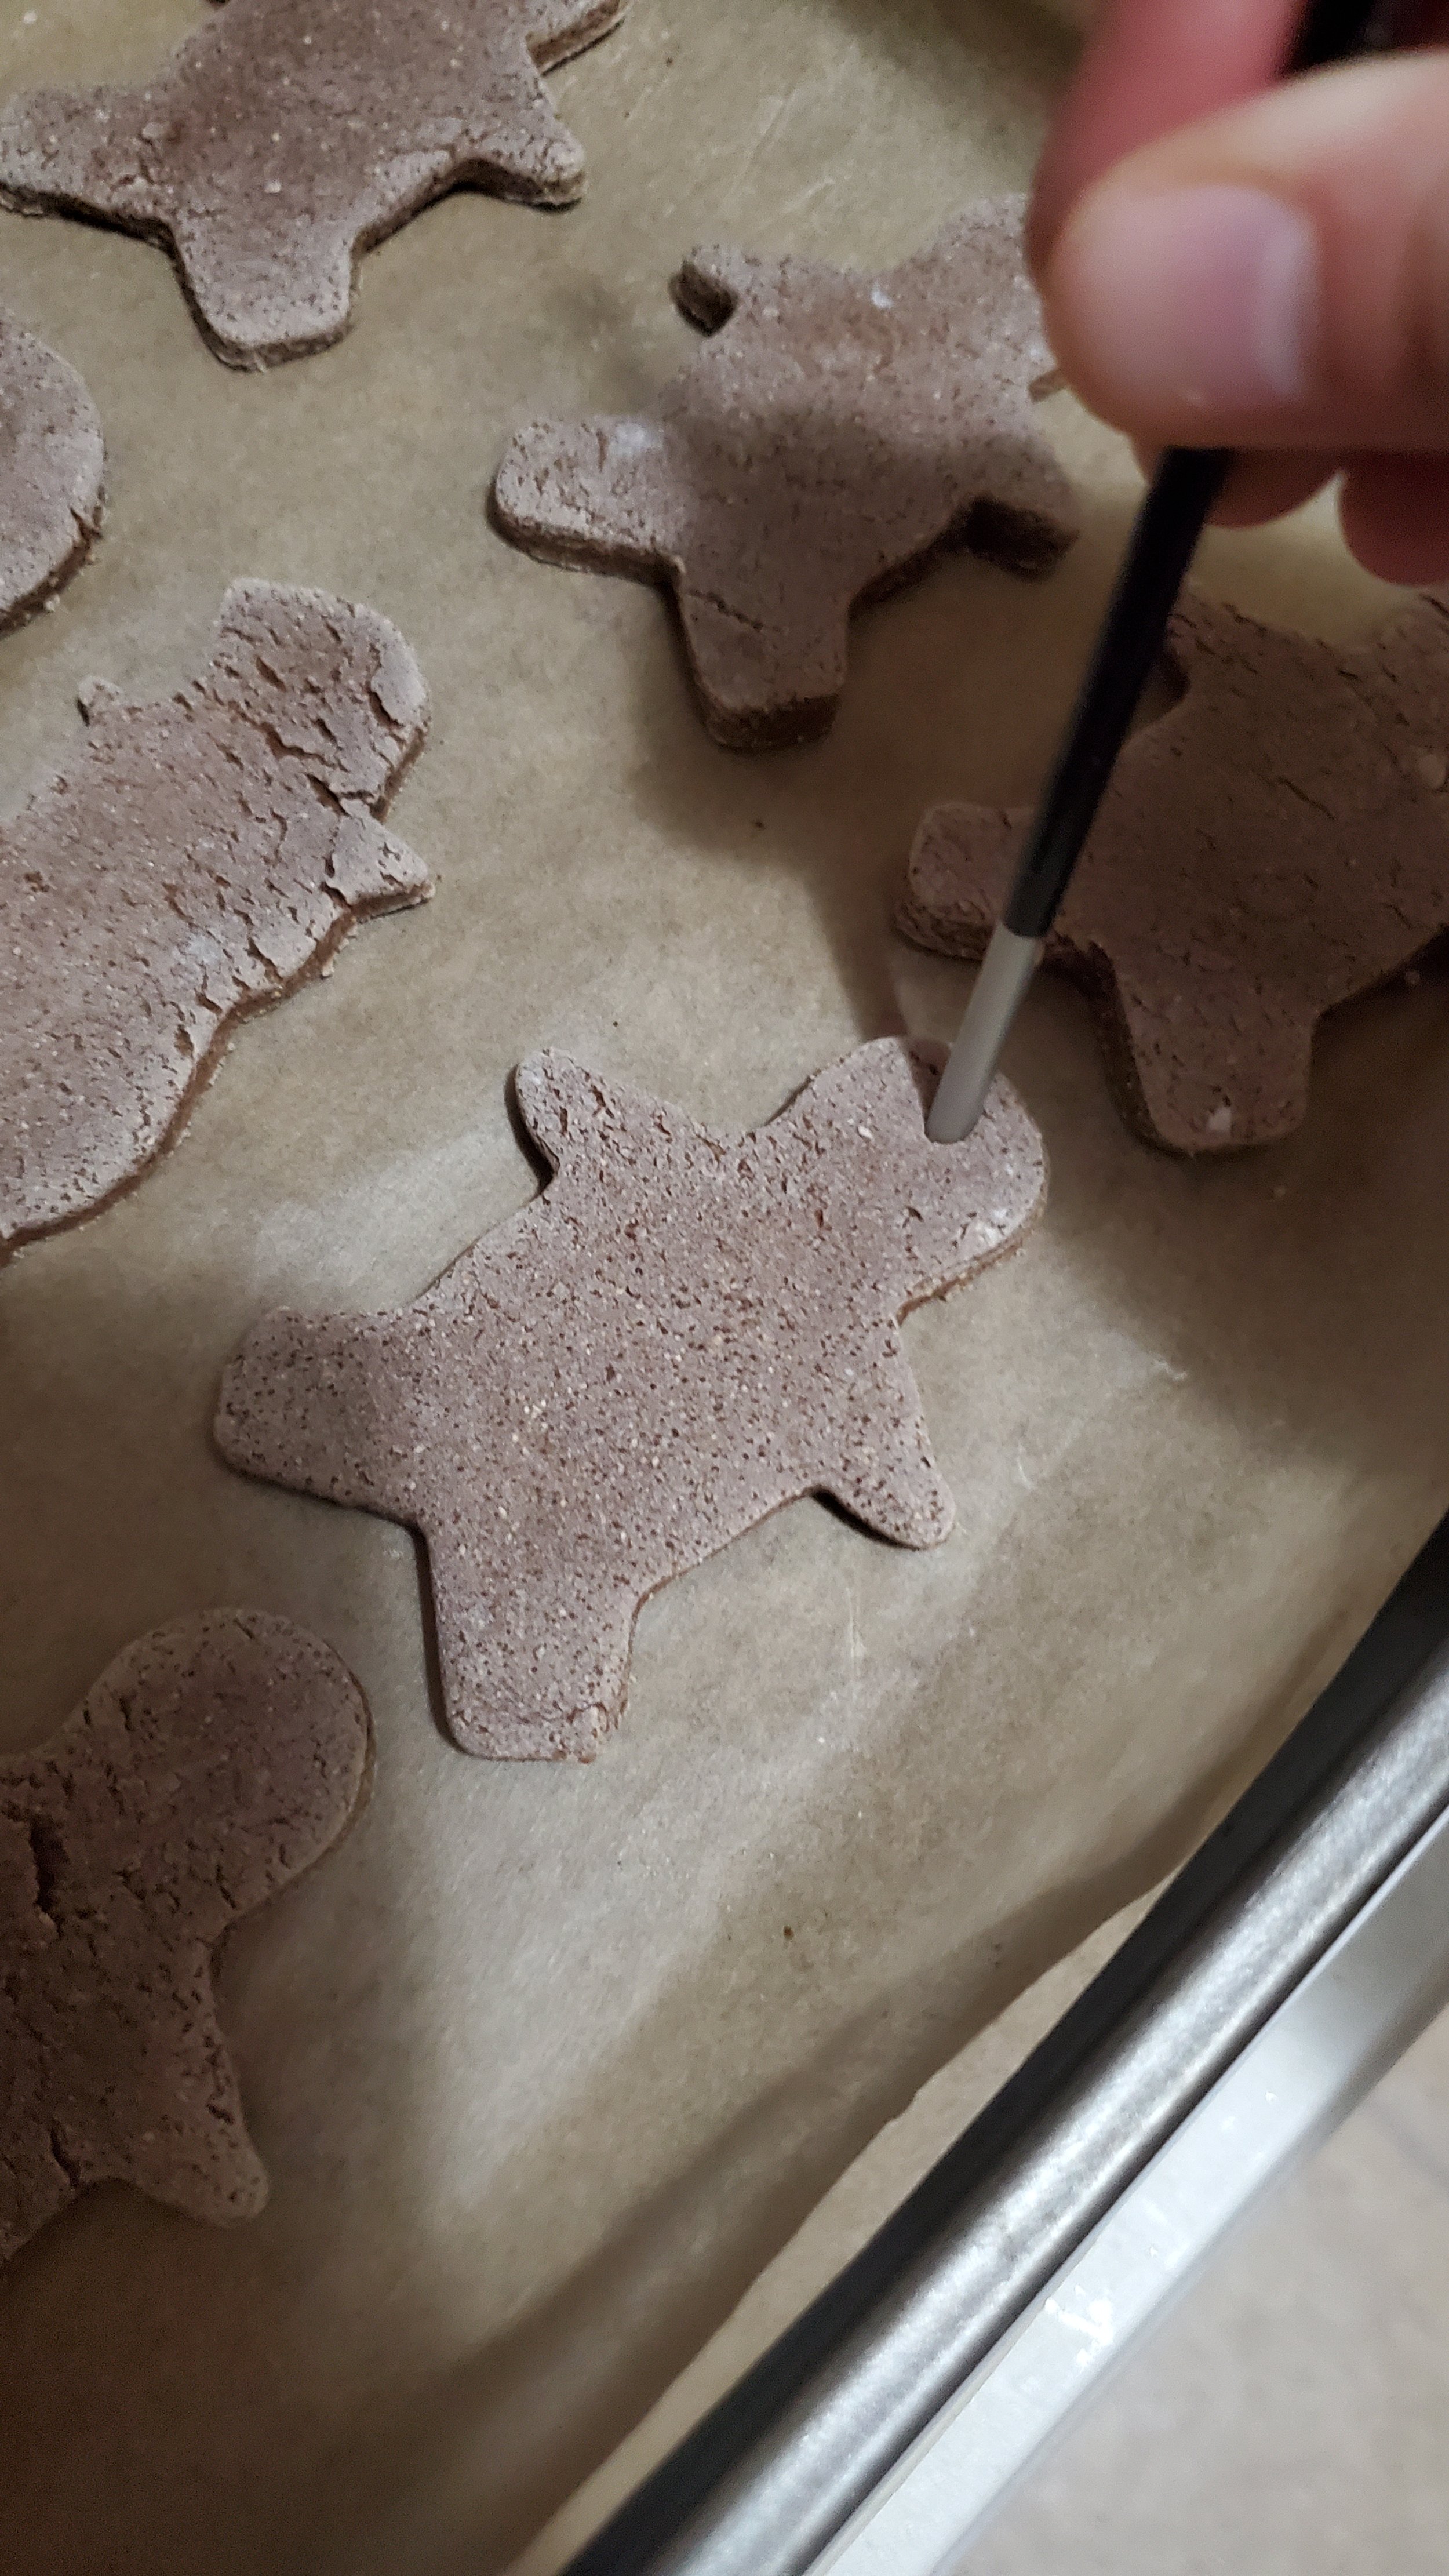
[[539, 2078]]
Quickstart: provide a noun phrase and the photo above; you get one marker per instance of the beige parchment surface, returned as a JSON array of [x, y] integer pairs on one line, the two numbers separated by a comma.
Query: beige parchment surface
[[540, 2080]]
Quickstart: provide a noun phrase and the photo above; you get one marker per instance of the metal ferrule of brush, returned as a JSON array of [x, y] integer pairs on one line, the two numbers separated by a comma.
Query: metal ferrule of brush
[[1006, 970]]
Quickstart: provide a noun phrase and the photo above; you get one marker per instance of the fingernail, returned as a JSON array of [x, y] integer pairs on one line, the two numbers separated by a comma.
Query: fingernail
[[1196, 300]]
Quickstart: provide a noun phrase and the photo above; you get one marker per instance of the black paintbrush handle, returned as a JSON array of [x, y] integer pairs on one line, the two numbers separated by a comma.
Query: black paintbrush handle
[[1164, 541], [1172, 517]]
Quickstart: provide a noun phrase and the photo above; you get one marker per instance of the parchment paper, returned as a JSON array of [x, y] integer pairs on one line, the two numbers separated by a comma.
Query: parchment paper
[[539, 2078]]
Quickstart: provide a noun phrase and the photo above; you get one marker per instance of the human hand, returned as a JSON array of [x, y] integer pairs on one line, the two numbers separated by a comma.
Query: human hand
[[1225, 262]]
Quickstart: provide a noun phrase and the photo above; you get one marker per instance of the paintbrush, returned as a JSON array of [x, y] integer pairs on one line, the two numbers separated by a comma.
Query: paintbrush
[[1187, 483]]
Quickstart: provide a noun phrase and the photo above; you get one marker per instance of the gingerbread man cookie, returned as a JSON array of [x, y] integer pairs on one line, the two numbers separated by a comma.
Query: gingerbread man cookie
[[212, 1762], [202, 855], [288, 136], [836, 432], [52, 473], [1274, 845], [683, 1333]]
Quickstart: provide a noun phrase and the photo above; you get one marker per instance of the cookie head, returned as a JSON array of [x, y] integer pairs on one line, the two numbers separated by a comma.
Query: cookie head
[[919, 1214], [335, 685], [212, 1762]]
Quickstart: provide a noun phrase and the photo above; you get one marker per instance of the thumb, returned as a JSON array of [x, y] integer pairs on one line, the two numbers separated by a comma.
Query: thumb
[[1276, 276]]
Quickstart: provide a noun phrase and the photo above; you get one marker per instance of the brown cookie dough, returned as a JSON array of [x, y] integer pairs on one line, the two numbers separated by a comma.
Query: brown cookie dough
[[201, 856], [52, 473], [287, 136], [212, 1762], [837, 431], [1276, 844], [681, 1334]]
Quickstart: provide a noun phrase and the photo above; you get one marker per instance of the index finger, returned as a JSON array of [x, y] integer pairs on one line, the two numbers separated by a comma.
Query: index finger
[[1151, 66]]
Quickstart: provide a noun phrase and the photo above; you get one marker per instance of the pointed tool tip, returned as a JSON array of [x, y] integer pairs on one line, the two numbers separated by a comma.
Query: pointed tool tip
[[1006, 970]]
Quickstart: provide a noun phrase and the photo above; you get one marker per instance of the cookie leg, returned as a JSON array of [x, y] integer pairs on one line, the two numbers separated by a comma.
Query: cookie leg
[[762, 682], [173, 2127], [1202, 1070], [264, 293], [532, 1671]]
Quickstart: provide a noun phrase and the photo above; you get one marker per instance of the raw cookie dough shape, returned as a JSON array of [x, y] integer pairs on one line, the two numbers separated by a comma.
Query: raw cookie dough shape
[[52, 473], [288, 136], [211, 1763], [836, 432], [682, 1333], [200, 857], [1274, 845]]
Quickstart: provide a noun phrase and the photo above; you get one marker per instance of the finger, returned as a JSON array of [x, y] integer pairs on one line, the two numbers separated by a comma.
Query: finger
[[1267, 484], [1151, 66], [1395, 514], [1262, 484], [1276, 277]]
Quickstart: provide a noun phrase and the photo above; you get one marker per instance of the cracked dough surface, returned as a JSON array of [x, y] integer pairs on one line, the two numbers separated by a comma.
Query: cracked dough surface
[[52, 472], [197, 860]]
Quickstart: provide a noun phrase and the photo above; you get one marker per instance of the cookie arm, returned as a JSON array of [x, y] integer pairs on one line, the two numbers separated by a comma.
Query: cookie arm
[[559, 28], [957, 877], [714, 279], [1218, 650], [569, 1111], [516, 145], [79, 149], [321, 1405], [372, 870], [588, 492]]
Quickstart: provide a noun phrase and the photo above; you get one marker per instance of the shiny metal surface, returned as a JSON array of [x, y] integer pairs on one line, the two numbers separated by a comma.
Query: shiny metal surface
[[1006, 970], [1383, 1981], [820, 2426], [845, 2435]]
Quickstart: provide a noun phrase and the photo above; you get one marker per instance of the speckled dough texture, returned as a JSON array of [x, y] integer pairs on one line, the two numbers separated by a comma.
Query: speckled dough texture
[[52, 472], [1276, 844], [681, 1334], [288, 136], [836, 431], [199, 858], [212, 1762]]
